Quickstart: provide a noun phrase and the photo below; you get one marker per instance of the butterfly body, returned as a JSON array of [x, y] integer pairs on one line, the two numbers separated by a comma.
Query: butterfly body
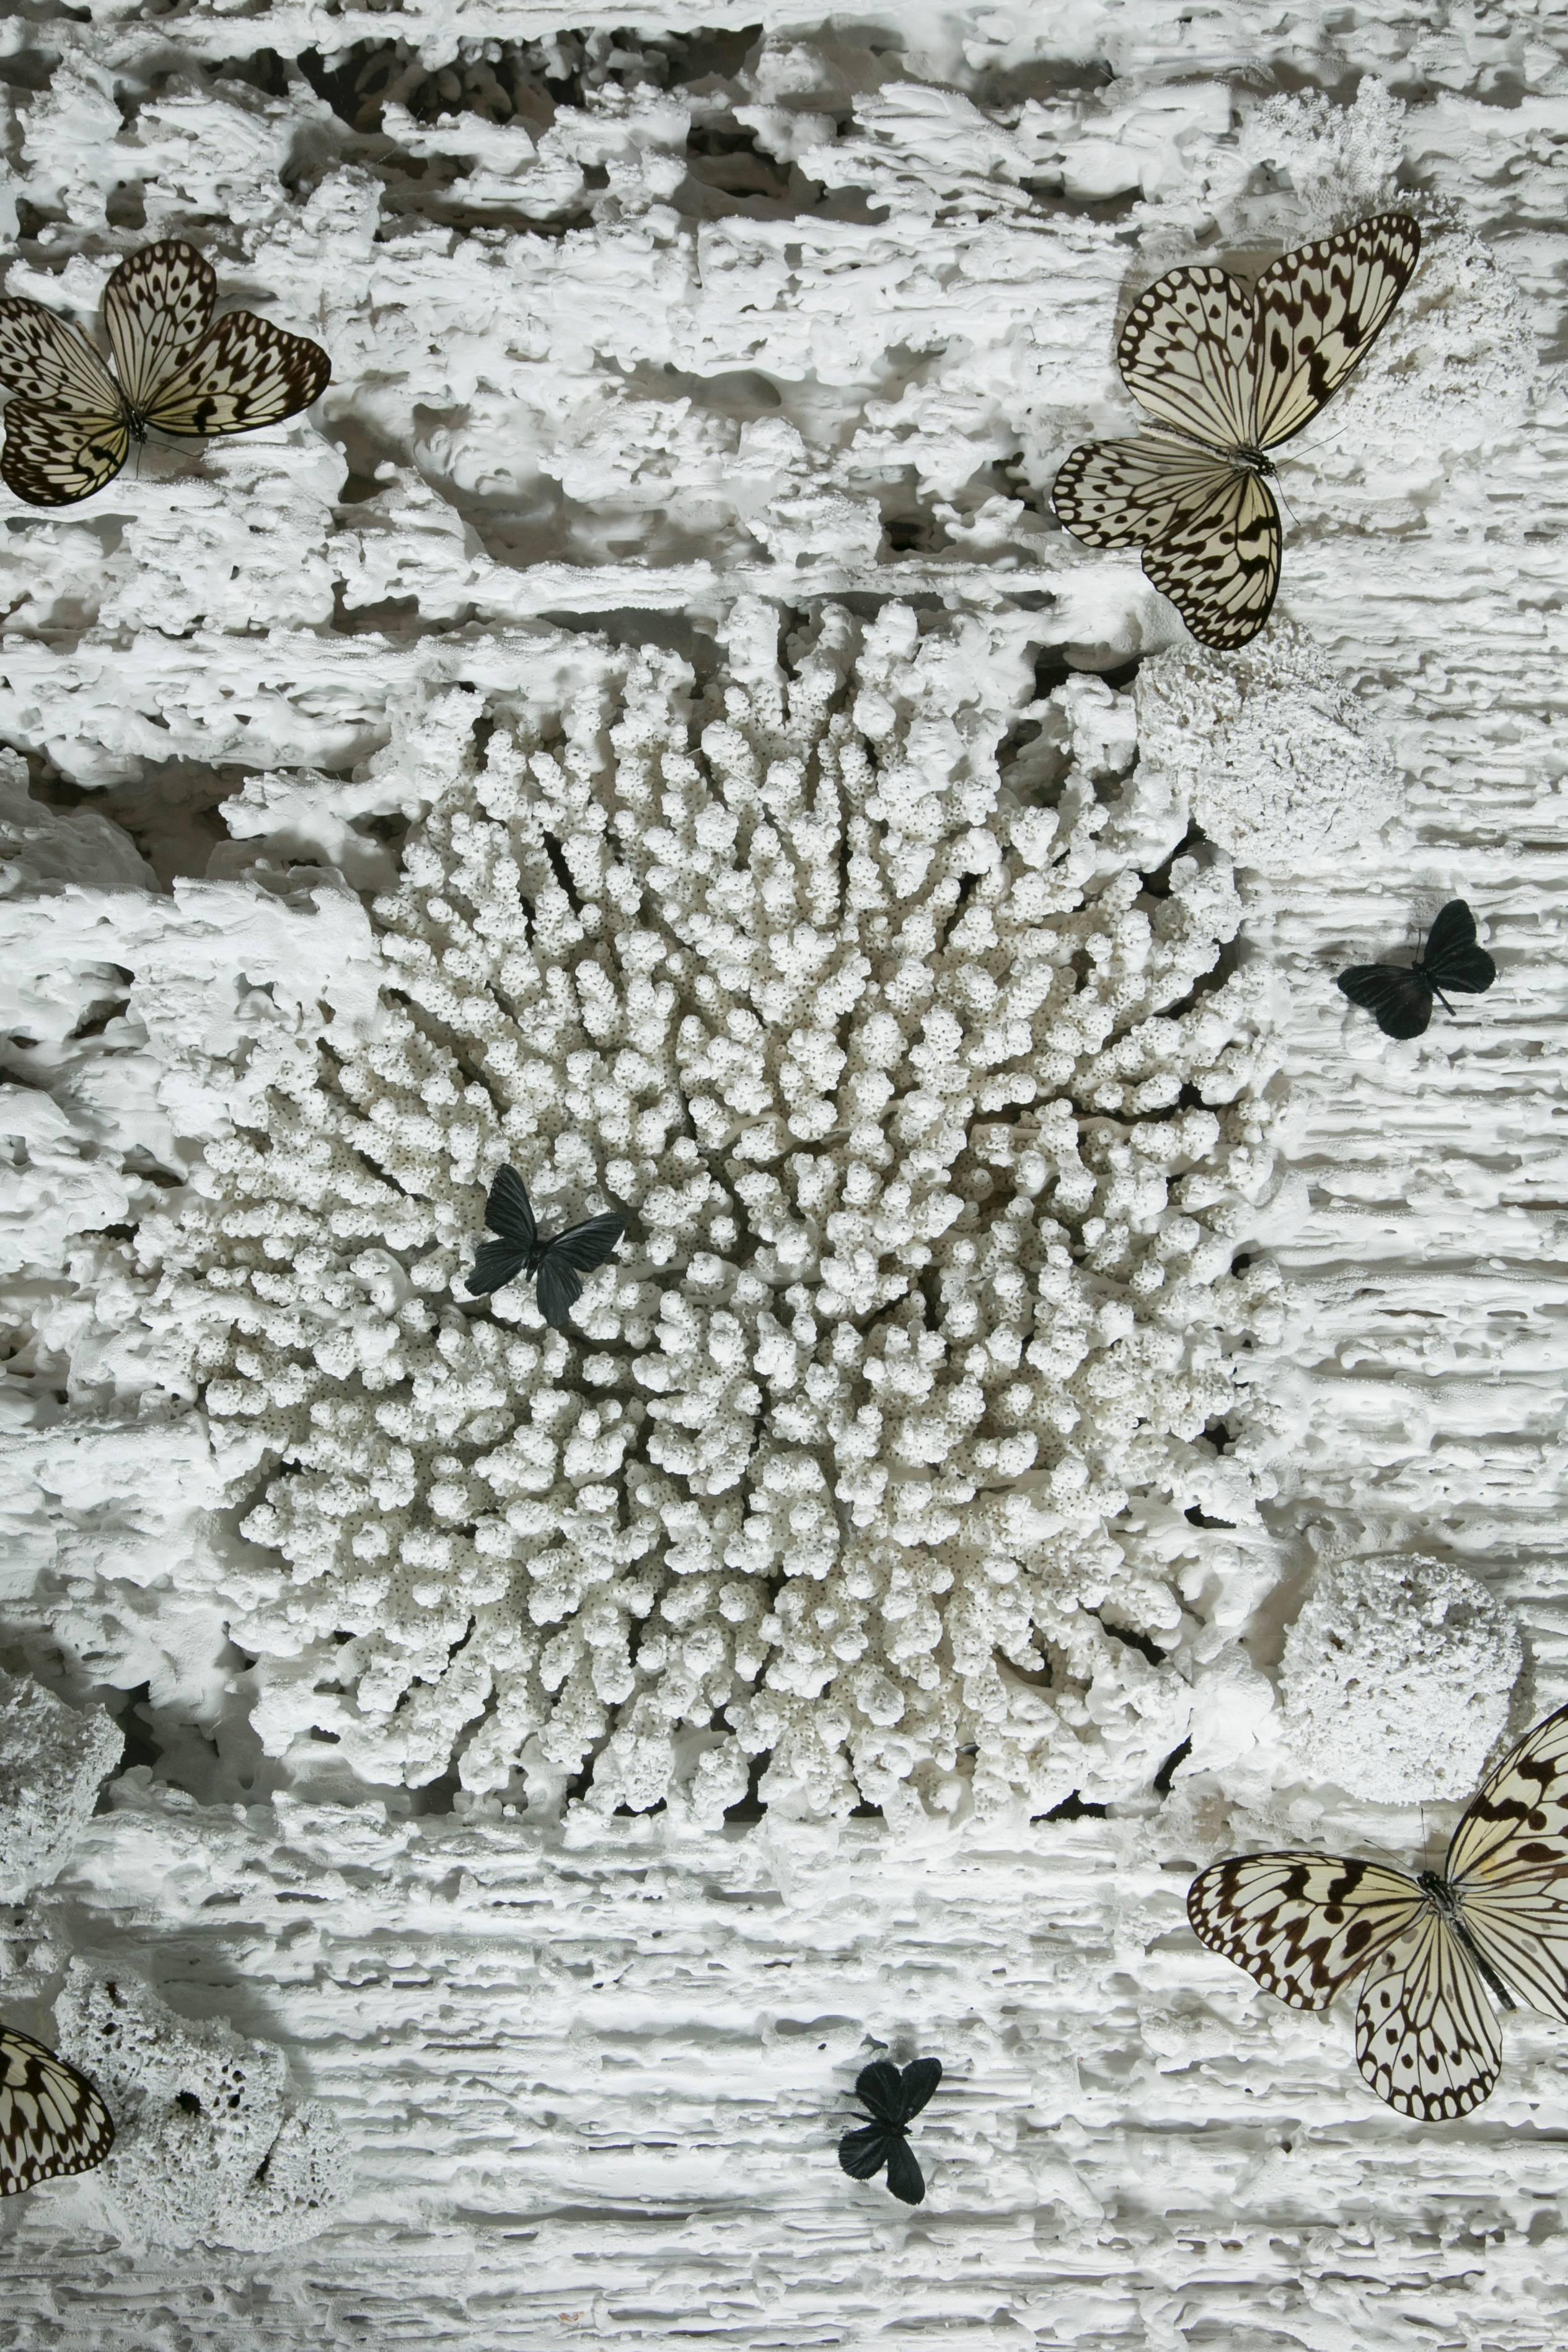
[[52, 2121], [1400, 996], [894, 2099], [554, 1262], [1428, 1949], [73, 419], [1228, 373]]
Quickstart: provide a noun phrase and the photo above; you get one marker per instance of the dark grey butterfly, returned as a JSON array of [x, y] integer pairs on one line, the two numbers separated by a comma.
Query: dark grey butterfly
[[895, 2100], [556, 1261], [1399, 996]]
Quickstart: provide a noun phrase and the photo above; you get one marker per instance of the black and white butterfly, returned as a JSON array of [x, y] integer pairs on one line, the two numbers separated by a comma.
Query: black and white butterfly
[[1399, 995], [1428, 1949], [52, 2121], [556, 1261], [69, 427], [895, 2099], [1228, 372]]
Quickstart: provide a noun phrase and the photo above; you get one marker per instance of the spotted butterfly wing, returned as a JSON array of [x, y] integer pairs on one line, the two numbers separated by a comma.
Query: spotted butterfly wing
[[1508, 1864], [1430, 1948], [1319, 313], [1427, 2038], [157, 308], [1210, 535], [558, 1284], [509, 1214], [69, 429], [1226, 373], [52, 2121], [1302, 1924], [66, 431]]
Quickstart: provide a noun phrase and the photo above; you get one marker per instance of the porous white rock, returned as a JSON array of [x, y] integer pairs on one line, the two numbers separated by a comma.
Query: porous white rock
[[1276, 759], [938, 1132], [53, 1760], [210, 2149], [1397, 1678]]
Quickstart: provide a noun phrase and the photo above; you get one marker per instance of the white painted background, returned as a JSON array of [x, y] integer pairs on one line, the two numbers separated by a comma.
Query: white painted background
[[591, 2078]]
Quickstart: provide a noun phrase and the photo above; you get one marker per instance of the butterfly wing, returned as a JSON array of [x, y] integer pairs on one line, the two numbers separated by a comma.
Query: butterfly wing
[[1514, 1831], [865, 2151], [156, 308], [65, 432], [571, 1254], [1398, 998], [247, 373], [1220, 566], [589, 1243], [508, 1210], [1132, 493], [1426, 2036], [920, 2080], [881, 2087], [1301, 1923], [1318, 311], [52, 2121], [495, 1265], [1451, 960], [905, 2178], [1507, 1865], [1187, 354], [1209, 532]]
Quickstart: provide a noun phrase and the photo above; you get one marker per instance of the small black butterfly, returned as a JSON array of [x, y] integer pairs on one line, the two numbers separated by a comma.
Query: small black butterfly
[[555, 1260], [1399, 996], [895, 2100]]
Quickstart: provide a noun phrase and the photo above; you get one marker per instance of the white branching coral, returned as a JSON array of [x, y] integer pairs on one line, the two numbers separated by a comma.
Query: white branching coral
[[872, 990]]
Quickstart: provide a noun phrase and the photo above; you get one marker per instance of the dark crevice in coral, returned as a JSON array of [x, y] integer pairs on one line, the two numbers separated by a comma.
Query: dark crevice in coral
[[1139, 1641], [1167, 1771], [1072, 1809]]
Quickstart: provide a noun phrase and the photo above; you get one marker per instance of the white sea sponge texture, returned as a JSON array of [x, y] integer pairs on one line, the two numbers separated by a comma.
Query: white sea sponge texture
[[1276, 759], [209, 2147], [1397, 1678], [53, 1760]]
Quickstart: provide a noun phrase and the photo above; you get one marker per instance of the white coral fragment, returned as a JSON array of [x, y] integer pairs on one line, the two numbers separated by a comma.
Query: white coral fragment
[[53, 1760], [937, 1132], [1276, 759], [209, 2147], [1397, 1678]]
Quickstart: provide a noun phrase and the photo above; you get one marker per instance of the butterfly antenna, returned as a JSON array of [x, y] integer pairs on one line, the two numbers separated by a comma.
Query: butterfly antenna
[[1440, 997]]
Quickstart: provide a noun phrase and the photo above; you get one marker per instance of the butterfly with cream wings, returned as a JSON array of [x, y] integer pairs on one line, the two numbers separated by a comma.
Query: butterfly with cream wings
[[69, 427], [1228, 373], [1429, 1948]]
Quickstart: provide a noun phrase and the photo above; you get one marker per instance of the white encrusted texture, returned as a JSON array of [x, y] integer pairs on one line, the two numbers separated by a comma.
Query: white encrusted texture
[[1397, 1678], [1276, 760], [210, 2149], [938, 1131], [53, 1761]]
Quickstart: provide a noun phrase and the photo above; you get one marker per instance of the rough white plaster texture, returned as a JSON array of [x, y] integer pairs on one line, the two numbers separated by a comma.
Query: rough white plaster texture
[[641, 337]]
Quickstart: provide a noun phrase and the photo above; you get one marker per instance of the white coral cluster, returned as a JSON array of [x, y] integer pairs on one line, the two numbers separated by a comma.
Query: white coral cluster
[[210, 2147], [938, 1128]]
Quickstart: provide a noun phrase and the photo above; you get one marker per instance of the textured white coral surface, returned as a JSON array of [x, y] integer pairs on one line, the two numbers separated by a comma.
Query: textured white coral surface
[[645, 725]]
